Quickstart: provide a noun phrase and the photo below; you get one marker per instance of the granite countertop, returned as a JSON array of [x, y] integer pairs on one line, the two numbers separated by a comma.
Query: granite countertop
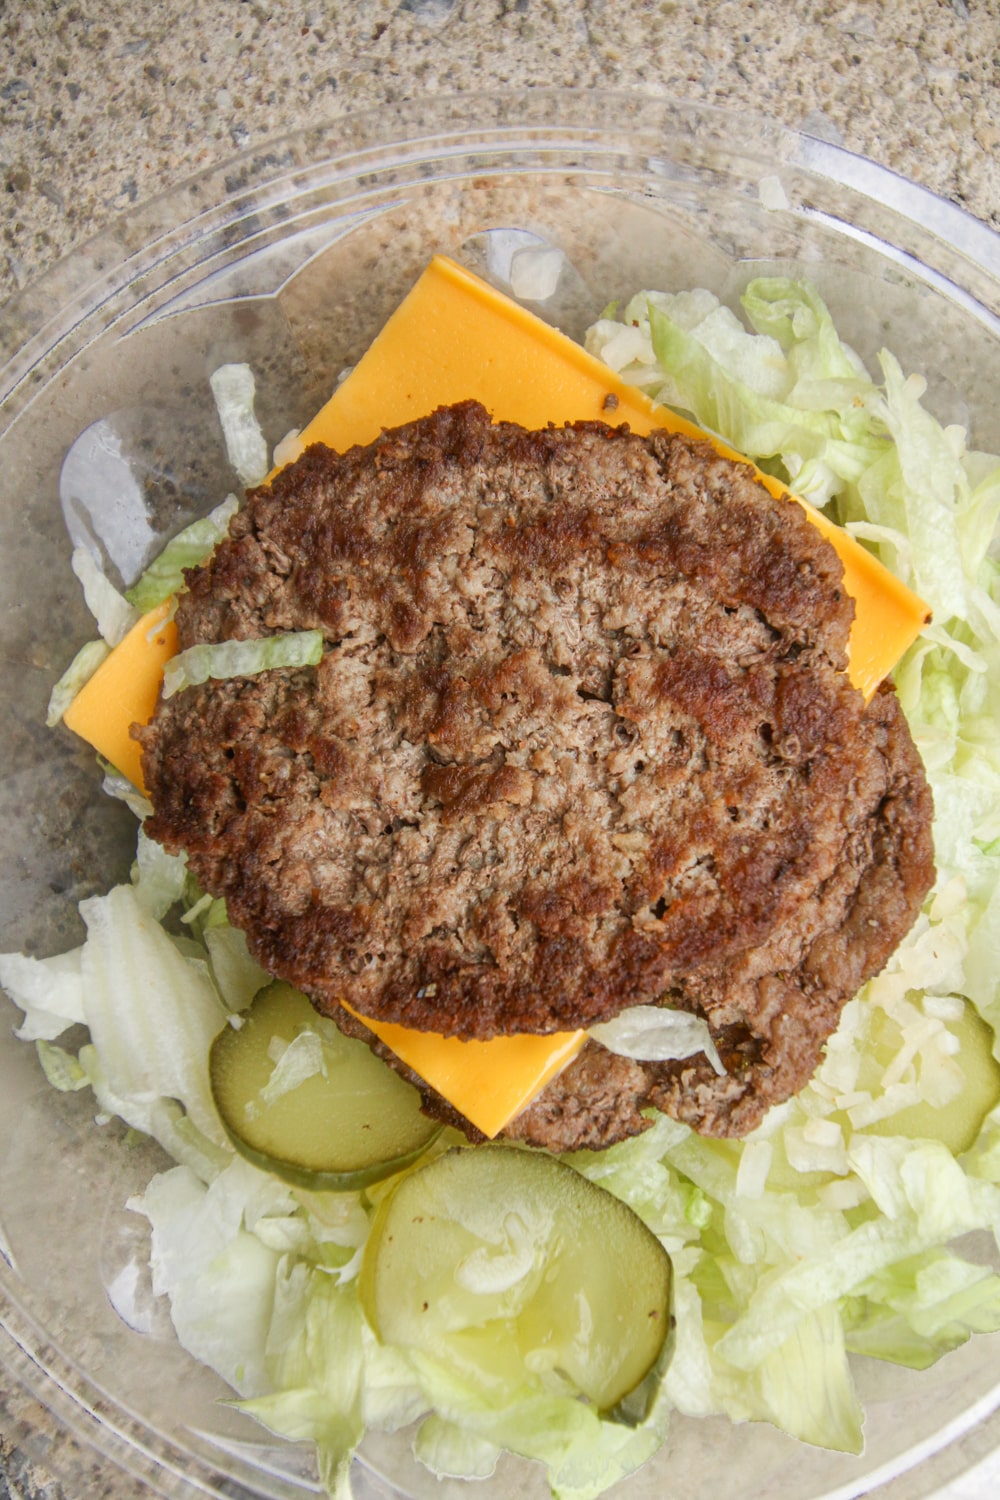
[[105, 103]]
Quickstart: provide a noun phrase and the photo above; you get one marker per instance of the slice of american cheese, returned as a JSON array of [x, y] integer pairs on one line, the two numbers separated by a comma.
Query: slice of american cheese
[[124, 690], [489, 1082], [451, 339]]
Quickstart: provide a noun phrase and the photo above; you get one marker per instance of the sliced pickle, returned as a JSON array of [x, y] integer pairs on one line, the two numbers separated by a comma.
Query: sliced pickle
[[317, 1108], [508, 1265], [957, 1123]]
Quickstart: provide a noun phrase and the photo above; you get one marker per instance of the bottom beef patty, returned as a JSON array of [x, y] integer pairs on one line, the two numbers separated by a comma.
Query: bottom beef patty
[[581, 739]]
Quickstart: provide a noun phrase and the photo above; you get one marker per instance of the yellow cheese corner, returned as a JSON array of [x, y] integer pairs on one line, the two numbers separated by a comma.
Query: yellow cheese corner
[[488, 1082], [123, 691]]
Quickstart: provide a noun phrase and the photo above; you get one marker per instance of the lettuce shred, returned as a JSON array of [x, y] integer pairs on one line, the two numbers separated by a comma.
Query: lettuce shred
[[165, 574], [234, 389], [115, 615], [837, 1226], [656, 1033], [80, 670], [295, 648]]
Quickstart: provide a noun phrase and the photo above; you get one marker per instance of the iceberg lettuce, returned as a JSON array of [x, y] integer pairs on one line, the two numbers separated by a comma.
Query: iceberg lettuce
[[656, 1033], [234, 388], [296, 648], [165, 574], [80, 670], [114, 614]]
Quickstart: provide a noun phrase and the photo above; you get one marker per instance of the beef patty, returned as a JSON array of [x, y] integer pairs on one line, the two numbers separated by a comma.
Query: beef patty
[[581, 739]]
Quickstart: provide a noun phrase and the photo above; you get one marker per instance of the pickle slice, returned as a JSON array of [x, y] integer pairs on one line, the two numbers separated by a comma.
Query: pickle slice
[[317, 1108], [509, 1266], [958, 1123]]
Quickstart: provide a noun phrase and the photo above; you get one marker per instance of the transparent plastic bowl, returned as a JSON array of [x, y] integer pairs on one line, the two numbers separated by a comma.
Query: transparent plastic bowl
[[291, 258]]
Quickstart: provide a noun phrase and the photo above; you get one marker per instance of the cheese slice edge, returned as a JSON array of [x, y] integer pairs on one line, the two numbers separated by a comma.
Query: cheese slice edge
[[488, 1082], [123, 691]]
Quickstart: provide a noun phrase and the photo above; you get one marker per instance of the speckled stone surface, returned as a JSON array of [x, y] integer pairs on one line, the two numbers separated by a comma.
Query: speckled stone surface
[[105, 103]]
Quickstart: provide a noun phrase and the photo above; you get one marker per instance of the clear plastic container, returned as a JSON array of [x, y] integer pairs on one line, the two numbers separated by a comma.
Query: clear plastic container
[[291, 258]]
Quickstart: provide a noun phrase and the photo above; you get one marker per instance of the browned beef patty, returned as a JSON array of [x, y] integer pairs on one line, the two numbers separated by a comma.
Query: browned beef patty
[[771, 1009], [581, 739]]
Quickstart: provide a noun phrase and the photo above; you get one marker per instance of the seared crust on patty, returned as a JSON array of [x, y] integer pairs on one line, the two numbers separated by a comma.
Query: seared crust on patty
[[787, 995], [581, 739]]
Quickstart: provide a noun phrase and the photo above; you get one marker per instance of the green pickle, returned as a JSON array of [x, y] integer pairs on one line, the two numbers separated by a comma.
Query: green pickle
[[958, 1123], [317, 1108], [510, 1267]]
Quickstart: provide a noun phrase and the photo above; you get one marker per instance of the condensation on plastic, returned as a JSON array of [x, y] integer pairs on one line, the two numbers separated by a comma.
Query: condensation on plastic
[[291, 258]]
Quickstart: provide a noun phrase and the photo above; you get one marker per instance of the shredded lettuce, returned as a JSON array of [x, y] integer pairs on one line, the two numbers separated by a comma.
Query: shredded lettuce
[[921, 489], [114, 614], [118, 786], [237, 975], [150, 1008], [234, 389], [317, 1370], [117, 613], [49, 991], [791, 392], [294, 1062], [63, 1070], [160, 879], [151, 1011], [656, 1033], [165, 574], [535, 272], [297, 648], [80, 670], [218, 1274]]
